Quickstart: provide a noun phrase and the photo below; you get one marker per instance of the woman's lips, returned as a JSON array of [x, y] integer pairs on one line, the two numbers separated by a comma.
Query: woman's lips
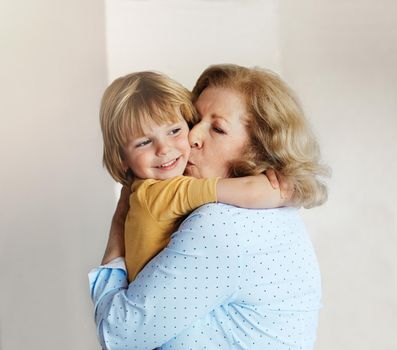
[[190, 169]]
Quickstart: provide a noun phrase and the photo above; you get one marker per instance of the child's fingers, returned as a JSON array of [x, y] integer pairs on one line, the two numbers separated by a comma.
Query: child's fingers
[[287, 187], [272, 177]]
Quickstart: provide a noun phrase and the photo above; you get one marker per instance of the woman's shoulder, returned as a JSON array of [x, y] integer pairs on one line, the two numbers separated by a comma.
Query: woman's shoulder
[[218, 215], [217, 230]]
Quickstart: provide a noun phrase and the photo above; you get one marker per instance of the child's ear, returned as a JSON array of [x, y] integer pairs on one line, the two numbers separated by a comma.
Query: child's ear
[[124, 166]]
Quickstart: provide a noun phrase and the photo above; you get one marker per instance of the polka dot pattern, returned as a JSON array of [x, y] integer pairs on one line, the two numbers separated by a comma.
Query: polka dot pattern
[[230, 278]]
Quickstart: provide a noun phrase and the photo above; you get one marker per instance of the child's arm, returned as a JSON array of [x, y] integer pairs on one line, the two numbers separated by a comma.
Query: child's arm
[[249, 192]]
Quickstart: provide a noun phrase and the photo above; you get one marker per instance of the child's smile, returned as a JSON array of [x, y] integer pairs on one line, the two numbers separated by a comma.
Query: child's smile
[[169, 165]]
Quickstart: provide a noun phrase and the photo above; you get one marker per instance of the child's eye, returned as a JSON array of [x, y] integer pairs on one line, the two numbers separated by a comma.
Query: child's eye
[[143, 143], [175, 131]]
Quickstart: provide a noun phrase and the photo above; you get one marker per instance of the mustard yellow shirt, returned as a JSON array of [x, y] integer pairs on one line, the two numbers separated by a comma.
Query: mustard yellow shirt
[[155, 209]]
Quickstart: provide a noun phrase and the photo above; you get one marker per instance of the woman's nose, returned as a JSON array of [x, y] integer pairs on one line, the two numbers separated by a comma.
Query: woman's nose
[[196, 137]]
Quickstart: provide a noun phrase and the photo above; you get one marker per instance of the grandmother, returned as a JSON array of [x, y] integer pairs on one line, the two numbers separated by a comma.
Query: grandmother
[[230, 278]]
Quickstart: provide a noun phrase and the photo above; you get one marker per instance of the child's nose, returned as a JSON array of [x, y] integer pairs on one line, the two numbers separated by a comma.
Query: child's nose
[[162, 148]]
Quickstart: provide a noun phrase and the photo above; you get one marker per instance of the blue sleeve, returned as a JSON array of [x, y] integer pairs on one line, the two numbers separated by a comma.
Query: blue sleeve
[[196, 272]]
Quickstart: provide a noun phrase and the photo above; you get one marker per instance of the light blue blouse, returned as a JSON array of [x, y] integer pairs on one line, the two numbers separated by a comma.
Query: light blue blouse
[[230, 278]]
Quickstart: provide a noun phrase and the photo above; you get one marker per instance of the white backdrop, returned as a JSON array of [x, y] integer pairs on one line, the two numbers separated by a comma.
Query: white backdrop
[[56, 201], [181, 38]]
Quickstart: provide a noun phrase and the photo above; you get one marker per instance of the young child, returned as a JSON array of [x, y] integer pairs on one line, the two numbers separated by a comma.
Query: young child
[[144, 119]]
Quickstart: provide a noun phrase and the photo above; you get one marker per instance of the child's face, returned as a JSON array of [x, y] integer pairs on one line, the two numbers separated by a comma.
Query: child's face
[[161, 153]]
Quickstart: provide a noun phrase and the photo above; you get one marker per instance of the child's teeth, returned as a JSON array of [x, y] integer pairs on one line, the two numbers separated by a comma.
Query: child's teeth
[[167, 164]]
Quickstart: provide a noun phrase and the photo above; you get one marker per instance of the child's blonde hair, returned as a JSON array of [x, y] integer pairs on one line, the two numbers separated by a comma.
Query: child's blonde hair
[[129, 103], [280, 136]]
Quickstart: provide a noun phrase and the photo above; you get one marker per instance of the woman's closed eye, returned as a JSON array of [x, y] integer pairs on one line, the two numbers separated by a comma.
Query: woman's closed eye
[[218, 130]]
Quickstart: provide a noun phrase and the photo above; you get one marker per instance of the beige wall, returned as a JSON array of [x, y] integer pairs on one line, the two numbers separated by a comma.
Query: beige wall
[[56, 200], [181, 38], [341, 56], [55, 197]]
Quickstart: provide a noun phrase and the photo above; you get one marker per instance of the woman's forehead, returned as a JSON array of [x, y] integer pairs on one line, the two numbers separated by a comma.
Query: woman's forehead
[[222, 104]]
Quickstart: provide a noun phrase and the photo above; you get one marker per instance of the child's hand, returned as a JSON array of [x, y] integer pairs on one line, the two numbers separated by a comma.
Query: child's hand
[[285, 184]]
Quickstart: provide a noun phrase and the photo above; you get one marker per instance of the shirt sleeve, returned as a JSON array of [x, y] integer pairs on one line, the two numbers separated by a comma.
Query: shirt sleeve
[[195, 273], [177, 196]]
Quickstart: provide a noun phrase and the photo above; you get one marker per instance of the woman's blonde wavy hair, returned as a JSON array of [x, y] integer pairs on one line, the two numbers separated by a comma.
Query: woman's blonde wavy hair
[[280, 136], [128, 104]]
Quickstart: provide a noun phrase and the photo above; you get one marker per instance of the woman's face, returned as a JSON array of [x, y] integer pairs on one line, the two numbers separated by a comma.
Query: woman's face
[[220, 136]]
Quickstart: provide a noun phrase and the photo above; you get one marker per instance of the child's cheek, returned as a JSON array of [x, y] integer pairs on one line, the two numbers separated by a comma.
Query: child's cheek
[[183, 142]]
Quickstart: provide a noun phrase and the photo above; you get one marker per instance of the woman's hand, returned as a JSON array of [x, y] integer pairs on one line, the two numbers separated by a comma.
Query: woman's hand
[[284, 183], [115, 246]]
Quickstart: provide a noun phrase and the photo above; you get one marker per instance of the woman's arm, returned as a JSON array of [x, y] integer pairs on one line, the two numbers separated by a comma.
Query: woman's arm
[[115, 245], [196, 272]]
